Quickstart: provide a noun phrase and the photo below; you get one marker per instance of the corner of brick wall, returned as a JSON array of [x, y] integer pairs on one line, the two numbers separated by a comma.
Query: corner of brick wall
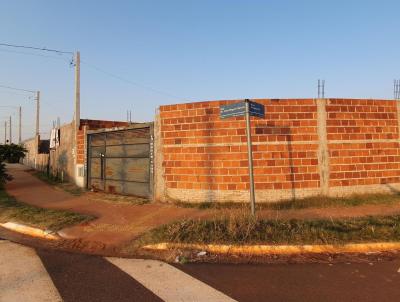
[[300, 149]]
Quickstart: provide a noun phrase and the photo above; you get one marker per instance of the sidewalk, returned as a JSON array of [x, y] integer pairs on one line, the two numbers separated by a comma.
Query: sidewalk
[[116, 224], [119, 223]]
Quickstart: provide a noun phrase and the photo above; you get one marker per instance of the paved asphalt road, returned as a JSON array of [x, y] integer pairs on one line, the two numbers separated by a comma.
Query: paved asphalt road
[[40, 275]]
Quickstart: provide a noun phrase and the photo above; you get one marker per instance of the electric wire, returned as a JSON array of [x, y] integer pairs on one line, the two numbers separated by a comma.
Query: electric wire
[[167, 94], [34, 54], [160, 92], [36, 48], [17, 89]]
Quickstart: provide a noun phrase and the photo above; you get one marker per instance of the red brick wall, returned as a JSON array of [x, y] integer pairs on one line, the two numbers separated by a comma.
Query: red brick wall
[[363, 142], [91, 125], [201, 151]]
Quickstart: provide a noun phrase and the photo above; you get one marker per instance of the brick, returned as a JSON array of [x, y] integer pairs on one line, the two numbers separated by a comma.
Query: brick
[[280, 162]]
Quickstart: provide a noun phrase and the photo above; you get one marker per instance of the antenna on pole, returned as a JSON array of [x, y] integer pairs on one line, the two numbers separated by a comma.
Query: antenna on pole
[[129, 116], [20, 125], [321, 89], [10, 131]]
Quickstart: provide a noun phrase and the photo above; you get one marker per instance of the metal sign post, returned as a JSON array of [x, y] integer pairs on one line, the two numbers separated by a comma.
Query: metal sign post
[[247, 109], [250, 157]]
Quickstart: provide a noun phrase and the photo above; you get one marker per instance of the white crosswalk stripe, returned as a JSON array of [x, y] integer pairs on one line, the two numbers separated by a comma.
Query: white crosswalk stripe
[[167, 282], [23, 277]]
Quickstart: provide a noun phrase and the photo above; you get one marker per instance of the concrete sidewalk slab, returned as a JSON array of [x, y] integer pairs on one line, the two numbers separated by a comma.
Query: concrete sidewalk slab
[[23, 276]]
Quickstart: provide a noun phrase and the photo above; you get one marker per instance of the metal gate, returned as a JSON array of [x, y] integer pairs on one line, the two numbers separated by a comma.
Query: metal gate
[[120, 161]]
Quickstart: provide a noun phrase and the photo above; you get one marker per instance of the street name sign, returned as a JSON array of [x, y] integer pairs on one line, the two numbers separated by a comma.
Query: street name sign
[[246, 109], [239, 109]]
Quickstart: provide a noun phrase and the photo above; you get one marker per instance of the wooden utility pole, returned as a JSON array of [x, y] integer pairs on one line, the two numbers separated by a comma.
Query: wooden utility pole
[[10, 131], [77, 109], [77, 115], [20, 126], [37, 111]]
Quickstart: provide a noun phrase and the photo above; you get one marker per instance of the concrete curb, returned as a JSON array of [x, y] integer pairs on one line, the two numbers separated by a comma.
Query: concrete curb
[[27, 230], [260, 250]]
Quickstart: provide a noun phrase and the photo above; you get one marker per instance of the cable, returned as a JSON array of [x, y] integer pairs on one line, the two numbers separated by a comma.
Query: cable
[[132, 82], [34, 54], [35, 48], [93, 67], [13, 93], [18, 89]]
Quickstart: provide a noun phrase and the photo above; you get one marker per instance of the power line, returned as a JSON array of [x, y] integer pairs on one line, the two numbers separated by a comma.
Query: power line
[[36, 48], [34, 54], [13, 93], [93, 67], [18, 89], [132, 82]]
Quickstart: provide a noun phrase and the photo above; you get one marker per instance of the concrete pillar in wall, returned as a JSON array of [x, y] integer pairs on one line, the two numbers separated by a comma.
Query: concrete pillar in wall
[[80, 171], [323, 153], [159, 181], [398, 117]]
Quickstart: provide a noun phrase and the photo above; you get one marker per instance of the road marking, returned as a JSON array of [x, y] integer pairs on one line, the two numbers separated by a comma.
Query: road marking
[[167, 282], [23, 276]]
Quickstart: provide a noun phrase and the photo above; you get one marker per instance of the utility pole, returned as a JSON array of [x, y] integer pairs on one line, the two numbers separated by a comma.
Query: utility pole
[[5, 132], [20, 126], [37, 111], [77, 115], [77, 110], [10, 131]]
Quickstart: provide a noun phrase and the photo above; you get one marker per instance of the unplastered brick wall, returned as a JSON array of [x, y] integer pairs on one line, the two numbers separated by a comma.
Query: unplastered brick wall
[[302, 147], [86, 125], [363, 142], [205, 157]]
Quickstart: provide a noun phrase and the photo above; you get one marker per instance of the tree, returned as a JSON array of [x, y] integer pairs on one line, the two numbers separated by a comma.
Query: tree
[[12, 153], [4, 177]]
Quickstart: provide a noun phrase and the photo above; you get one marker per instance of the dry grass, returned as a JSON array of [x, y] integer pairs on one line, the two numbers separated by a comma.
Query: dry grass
[[245, 229], [12, 210], [54, 181], [311, 202]]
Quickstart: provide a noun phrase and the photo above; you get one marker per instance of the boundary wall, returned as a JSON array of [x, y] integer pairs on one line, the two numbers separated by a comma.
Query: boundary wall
[[303, 147]]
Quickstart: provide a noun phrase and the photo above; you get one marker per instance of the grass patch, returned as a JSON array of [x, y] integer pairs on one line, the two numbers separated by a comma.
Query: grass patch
[[310, 202], [121, 199], [54, 181], [13, 210], [241, 229]]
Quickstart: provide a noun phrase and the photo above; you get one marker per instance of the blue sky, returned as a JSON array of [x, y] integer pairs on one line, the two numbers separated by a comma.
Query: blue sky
[[193, 51]]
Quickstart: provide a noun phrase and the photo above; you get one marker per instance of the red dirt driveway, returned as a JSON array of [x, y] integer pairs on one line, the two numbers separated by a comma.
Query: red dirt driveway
[[117, 223]]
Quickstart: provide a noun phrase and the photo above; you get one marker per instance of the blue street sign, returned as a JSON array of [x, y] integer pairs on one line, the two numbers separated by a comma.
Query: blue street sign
[[231, 110], [239, 109], [256, 109]]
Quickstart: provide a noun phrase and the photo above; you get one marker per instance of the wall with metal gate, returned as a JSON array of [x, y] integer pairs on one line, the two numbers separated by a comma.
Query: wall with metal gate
[[120, 161]]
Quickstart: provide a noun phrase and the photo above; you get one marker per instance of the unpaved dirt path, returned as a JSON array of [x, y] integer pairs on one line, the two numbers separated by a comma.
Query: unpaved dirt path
[[117, 223], [120, 222]]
